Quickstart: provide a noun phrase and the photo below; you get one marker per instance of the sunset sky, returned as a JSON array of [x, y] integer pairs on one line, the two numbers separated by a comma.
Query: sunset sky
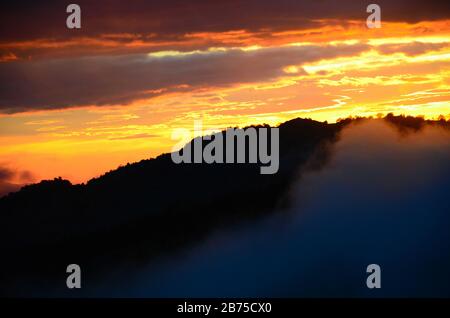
[[77, 103]]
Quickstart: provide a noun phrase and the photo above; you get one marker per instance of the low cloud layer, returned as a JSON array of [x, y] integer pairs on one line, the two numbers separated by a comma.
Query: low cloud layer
[[382, 199]]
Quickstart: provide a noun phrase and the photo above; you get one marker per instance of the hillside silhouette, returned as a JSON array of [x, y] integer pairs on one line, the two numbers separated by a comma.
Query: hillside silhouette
[[154, 206]]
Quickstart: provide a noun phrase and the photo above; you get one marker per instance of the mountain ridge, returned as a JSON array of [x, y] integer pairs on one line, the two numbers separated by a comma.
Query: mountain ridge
[[153, 207]]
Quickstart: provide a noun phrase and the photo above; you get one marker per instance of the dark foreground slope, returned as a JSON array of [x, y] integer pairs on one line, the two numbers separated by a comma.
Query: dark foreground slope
[[150, 208], [147, 208]]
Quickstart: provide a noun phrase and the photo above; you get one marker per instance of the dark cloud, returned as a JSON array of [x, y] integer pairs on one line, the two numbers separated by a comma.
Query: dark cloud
[[12, 179], [21, 20], [105, 80], [415, 48], [6, 174]]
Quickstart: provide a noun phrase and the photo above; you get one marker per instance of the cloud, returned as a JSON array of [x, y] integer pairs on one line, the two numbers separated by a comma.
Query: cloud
[[107, 80], [163, 20], [12, 180], [135, 136], [27, 176], [43, 122], [5, 174], [411, 49], [113, 27]]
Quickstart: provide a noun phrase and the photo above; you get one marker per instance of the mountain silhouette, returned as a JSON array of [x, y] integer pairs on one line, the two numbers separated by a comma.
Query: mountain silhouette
[[153, 207]]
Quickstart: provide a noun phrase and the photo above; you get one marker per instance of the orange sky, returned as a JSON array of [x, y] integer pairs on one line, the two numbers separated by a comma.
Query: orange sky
[[231, 78]]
